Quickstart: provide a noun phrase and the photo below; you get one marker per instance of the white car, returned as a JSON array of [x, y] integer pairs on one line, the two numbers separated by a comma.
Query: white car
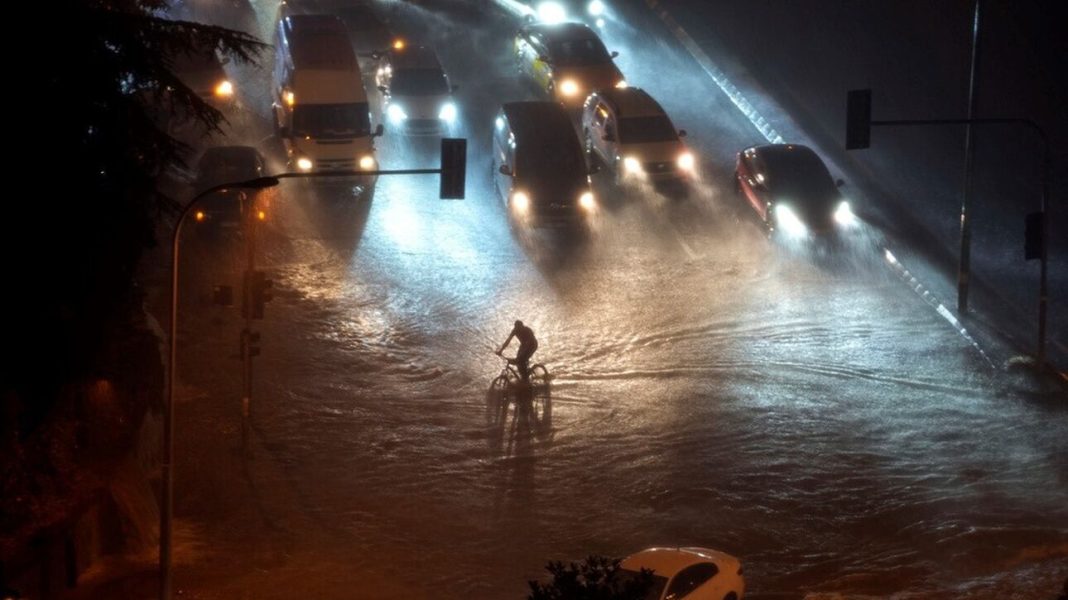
[[691, 573], [416, 92], [627, 131]]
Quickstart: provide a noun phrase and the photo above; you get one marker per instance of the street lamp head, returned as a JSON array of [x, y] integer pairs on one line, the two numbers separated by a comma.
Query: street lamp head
[[258, 183]]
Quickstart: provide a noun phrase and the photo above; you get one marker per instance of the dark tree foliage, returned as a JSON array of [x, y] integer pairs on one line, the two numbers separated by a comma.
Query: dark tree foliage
[[596, 578], [89, 114]]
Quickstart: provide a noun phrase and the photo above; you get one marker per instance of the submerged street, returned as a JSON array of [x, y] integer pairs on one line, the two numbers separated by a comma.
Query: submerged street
[[812, 414]]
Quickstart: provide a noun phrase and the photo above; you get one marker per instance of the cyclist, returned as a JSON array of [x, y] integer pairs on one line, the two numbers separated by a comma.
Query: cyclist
[[527, 345]]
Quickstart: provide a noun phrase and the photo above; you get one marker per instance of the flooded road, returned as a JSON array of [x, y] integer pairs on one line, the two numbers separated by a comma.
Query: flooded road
[[711, 387]]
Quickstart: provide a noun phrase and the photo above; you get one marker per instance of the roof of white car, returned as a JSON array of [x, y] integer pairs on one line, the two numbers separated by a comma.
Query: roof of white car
[[631, 102], [668, 561], [414, 57]]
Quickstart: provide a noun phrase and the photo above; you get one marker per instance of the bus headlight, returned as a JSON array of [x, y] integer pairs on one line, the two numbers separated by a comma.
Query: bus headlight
[[225, 89], [569, 87], [632, 166], [787, 219], [447, 112], [367, 162], [396, 113], [305, 164], [587, 202]]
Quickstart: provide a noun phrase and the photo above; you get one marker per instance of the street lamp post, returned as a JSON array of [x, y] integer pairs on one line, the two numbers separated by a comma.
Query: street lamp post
[[167, 493], [453, 184]]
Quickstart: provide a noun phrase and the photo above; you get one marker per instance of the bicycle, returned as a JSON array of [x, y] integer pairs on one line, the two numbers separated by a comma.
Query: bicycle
[[507, 388]]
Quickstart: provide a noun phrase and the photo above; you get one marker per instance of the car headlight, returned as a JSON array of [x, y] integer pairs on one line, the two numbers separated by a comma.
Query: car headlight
[[396, 113], [686, 162], [552, 12], [788, 220], [632, 165], [587, 202], [291, 98], [843, 215], [305, 164], [447, 112], [367, 162], [225, 89], [521, 202], [621, 84], [569, 87], [595, 8]]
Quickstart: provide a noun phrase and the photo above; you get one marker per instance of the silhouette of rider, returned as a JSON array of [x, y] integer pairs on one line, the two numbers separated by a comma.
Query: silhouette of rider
[[527, 345]]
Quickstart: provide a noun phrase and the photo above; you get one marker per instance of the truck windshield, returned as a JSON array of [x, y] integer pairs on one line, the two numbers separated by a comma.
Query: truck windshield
[[332, 121]]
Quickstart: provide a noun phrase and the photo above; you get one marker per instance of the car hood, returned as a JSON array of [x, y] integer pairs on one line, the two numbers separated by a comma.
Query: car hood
[[592, 77], [421, 107], [653, 152]]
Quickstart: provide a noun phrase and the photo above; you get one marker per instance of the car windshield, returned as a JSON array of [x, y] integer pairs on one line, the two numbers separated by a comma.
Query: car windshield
[[654, 591], [646, 130], [418, 82], [578, 52], [801, 176], [554, 169], [332, 121], [219, 166]]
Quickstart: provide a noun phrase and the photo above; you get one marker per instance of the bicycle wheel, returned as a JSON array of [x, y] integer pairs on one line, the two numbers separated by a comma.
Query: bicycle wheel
[[539, 384], [498, 397]]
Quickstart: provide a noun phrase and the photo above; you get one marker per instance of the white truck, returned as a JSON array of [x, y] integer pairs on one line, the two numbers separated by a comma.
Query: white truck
[[320, 106]]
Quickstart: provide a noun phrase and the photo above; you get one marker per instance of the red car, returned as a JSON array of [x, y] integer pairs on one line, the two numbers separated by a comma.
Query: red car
[[790, 188]]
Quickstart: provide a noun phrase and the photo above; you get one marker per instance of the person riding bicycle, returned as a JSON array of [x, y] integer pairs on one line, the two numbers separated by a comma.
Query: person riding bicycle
[[527, 345]]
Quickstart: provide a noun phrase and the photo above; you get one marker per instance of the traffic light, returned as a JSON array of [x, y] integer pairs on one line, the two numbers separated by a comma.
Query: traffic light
[[858, 119], [453, 168], [250, 343], [258, 291]]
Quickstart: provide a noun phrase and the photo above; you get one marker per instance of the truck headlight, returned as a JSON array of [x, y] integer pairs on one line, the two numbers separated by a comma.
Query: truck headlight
[[225, 89], [396, 113], [569, 87], [789, 222], [305, 164], [595, 8], [447, 112], [367, 162], [632, 166]]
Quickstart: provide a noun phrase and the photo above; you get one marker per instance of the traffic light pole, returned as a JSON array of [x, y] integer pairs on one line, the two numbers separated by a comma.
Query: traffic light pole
[[858, 137], [247, 344], [453, 180]]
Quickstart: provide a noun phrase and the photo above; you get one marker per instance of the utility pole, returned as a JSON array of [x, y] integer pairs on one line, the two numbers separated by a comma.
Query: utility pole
[[964, 265], [858, 137]]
